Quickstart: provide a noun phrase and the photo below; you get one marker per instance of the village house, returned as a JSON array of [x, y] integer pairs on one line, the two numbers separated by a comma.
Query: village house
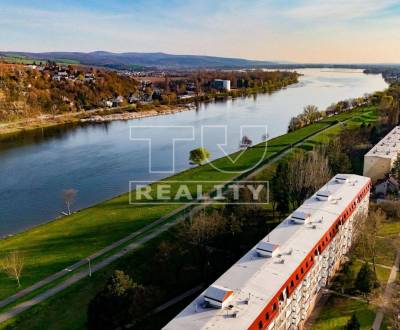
[[133, 99], [389, 185], [116, 102]]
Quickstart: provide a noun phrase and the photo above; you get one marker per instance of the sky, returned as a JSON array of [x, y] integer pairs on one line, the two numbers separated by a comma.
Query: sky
[[310, 31]]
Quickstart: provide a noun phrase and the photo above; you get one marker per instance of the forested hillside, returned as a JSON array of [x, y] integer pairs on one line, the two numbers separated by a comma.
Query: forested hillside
[[27, 91]]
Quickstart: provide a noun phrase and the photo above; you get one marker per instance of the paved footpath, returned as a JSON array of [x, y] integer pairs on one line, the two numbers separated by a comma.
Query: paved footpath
[[81, 274], [388, 293], [14, 311], [82, 262]]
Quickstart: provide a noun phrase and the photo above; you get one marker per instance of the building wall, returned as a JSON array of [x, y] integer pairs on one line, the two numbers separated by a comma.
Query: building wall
[[314, 273], [376, 167], [227, 85]]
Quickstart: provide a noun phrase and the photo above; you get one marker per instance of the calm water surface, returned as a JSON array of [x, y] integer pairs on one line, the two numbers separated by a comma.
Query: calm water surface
[[100, 160]]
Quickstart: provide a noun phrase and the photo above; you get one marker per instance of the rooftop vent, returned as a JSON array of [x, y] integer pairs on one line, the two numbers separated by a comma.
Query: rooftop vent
[[340, 178], [267, 250], [324, 195], [218, 296], [300, 217]]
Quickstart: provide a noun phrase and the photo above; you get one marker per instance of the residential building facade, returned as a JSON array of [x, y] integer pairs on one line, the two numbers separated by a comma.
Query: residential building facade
[[275, 285], [379, 160], [222, 84]]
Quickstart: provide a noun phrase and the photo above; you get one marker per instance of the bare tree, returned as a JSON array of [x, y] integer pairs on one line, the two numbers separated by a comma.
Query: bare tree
[[306, 173], [200, 230], [367, 232], [245, 142], [68, 196], [372, 225], [203, 227], [13, 265]]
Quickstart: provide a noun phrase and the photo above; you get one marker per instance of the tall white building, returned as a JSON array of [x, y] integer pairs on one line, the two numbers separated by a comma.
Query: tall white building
[[222, 84], [275, 285], [379, 160]]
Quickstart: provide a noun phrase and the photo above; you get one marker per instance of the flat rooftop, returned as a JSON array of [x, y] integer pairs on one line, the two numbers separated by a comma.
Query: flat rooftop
[[255, 280], [388, 147]]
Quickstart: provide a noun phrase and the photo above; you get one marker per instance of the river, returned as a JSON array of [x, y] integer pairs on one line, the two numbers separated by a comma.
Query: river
[[99, 160]]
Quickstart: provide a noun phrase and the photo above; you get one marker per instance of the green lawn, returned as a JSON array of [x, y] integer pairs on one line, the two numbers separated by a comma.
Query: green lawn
[[368, 116], [338, 312], [17, 59], [52, 314], [391, 228]]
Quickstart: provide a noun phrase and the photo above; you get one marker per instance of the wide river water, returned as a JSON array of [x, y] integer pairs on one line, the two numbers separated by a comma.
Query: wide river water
[[99, 160]]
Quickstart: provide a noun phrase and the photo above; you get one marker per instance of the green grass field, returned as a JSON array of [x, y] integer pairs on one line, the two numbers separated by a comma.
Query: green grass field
[[339, 310], [17, 59]]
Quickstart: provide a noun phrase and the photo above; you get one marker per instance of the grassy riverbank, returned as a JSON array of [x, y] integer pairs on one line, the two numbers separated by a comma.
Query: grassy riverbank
[[53, 314], [53, 246]]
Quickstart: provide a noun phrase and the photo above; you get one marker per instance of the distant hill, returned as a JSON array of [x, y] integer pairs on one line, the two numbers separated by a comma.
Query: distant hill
[[129, 60]]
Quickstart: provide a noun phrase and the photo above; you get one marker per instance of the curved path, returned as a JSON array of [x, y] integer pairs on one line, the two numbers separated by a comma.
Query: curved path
[[388, 293]]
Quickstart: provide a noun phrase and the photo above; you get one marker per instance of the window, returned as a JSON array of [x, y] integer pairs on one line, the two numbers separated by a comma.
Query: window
[[260, 324], [297, 277], [302, 270], [291, 284], [307, 264], [281, 297], [274, 307], [267, 316]]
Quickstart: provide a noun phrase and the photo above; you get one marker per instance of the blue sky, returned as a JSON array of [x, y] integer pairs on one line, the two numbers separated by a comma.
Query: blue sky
[[291, 30]]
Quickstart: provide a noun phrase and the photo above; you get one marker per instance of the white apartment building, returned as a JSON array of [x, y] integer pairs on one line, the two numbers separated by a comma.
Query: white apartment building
[[379, 160], [222, 84], [274, 286]]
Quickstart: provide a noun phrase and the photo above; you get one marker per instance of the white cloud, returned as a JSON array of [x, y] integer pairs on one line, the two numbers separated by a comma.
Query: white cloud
[[338, 9]]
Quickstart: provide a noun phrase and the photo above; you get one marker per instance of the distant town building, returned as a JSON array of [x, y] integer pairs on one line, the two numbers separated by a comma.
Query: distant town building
[[221, 84], [133, 99], [388, 185], [242, 83], [379, 160], [108, 104], [118, 101], [89, 77], [275, 285]]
